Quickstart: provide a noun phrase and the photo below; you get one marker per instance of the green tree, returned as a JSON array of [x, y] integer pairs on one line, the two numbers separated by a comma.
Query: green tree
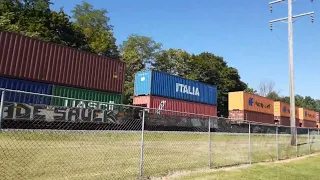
[[304, 102], [139, 53], [250, 90], [318, 105], [35, 19], [274, 96], [95, 25], [299, 101], [310, 103], [174, 61], [211, 69]]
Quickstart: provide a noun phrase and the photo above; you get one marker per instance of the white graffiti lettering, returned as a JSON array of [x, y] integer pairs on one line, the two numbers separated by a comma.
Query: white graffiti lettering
[[187, 89]]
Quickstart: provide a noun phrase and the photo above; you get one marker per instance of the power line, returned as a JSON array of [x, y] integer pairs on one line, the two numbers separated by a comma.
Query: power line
[[290, 19]]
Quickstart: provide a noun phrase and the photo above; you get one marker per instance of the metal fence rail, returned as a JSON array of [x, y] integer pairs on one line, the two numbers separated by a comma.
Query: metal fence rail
[[98, 140]]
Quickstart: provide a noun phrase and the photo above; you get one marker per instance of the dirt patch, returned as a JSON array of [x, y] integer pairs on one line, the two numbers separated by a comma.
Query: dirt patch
[[184, 173]]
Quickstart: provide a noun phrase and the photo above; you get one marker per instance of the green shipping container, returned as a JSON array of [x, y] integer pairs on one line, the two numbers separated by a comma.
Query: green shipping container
[[85, 94]]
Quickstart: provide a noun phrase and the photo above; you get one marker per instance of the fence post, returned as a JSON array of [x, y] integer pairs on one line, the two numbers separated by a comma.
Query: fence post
[[309, 141], [250, 143], [209, 134], [297, 142], [142, 145], [1, 107], [277, 142]]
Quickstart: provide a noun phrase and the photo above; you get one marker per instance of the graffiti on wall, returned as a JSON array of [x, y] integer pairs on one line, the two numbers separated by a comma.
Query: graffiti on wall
[[57, 113]]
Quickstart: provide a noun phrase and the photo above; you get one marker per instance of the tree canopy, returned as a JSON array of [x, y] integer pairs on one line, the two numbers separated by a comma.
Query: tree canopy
[[139, 53], [300, 101], [35, 19], [205, 67], [89, 29], [94, 23]]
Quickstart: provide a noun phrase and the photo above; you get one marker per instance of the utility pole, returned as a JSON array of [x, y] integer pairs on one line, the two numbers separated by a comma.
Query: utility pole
[[289, 19]]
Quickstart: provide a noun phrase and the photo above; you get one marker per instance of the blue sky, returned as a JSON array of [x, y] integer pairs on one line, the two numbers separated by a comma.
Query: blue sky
[[237, 30]]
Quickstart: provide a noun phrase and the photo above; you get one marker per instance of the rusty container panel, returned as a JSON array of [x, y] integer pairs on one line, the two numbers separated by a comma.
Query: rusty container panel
[[284, 121], [283, 109], [252, 116], [306, 114], [307, 123], [27, 58], [160, 103]]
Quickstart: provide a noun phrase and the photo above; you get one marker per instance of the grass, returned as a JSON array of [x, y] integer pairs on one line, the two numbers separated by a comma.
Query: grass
[[52, 155], [306, 168]]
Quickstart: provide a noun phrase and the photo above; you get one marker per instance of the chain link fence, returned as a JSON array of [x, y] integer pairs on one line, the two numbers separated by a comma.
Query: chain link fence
[[50, 137]]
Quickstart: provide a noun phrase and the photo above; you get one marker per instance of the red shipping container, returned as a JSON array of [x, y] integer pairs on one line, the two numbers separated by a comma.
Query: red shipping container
[[284, 121], [27, 58], [251, 116], [161, 103], [307, 123]]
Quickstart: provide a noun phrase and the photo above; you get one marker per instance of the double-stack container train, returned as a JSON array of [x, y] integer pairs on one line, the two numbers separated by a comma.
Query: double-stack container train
[[36, 66], [282, 113], [28, 64], [166, 95], [251, 107], [307, 118]]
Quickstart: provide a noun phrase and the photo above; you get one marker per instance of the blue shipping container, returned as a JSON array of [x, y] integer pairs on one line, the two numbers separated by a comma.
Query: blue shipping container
[[161, 84], [29, 86]]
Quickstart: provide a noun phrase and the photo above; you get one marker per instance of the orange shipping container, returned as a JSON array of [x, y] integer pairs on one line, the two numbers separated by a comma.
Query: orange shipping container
[[250, 102], [283, 109], [306, 114]]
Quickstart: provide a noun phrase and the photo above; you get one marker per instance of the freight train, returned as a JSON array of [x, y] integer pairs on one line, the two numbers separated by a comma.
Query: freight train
[[60, 71], [251, 107]]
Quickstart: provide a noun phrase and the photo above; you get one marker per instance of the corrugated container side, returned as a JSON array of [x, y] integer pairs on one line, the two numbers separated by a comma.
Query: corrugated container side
[[29, 86], [161, 103], [142, 83], [285, 121], [27, 58], [250, 102], [85, 94], [252, 116], [277, 108], [283, 109], [161, 84], [258, 104], [235, 101], [307, 123], [306, 114]]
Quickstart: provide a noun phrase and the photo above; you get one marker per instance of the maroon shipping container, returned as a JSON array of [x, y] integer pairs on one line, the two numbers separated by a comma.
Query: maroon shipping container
[[284, 121], [161, 103], [306, 123], [27, 58], [251, 116]]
